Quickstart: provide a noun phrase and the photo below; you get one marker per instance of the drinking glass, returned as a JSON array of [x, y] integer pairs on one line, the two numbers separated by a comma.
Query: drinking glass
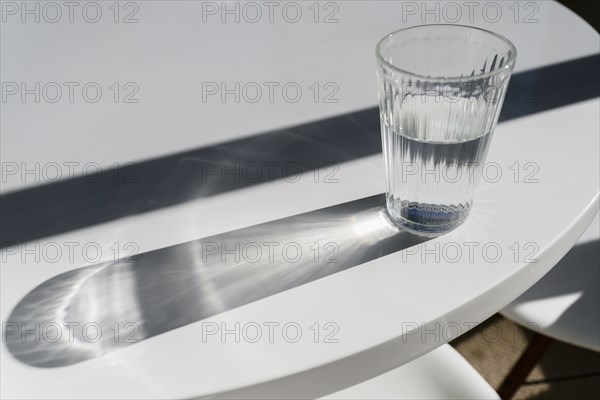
[[441, 88]]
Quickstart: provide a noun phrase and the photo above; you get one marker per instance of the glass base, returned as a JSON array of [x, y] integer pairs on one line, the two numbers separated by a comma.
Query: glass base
[[429, 220]]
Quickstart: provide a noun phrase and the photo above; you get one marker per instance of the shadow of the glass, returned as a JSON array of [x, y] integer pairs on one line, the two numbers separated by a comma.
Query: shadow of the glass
[[78, 315]]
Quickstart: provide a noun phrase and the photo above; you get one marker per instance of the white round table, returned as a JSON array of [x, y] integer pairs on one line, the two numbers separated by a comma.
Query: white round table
[[376, 309]]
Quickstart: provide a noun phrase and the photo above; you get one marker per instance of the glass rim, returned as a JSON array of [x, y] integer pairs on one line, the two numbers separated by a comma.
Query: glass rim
[[508, 66]]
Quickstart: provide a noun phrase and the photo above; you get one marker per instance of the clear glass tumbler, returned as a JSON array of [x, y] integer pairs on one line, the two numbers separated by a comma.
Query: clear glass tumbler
[[441, 88]]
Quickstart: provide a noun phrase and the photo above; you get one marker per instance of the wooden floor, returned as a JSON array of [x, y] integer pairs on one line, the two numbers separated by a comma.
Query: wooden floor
[[564, 372]]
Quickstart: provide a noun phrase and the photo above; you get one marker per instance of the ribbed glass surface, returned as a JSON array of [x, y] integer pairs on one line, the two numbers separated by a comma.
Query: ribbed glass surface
[[441, 88]]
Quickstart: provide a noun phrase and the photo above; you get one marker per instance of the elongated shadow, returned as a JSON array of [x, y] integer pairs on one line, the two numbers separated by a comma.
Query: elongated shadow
[[66, 205], [131, 300]]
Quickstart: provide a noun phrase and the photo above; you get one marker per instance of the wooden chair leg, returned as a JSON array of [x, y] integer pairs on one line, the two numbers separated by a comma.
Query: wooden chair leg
[[523, 367]]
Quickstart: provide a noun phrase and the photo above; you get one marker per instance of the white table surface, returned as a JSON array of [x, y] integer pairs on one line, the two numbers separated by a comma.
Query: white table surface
[[168, 53]]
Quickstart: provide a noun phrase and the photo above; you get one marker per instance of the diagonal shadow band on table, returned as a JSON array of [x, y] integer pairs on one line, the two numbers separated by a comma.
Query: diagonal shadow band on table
[[63, 206], [165, 289]]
